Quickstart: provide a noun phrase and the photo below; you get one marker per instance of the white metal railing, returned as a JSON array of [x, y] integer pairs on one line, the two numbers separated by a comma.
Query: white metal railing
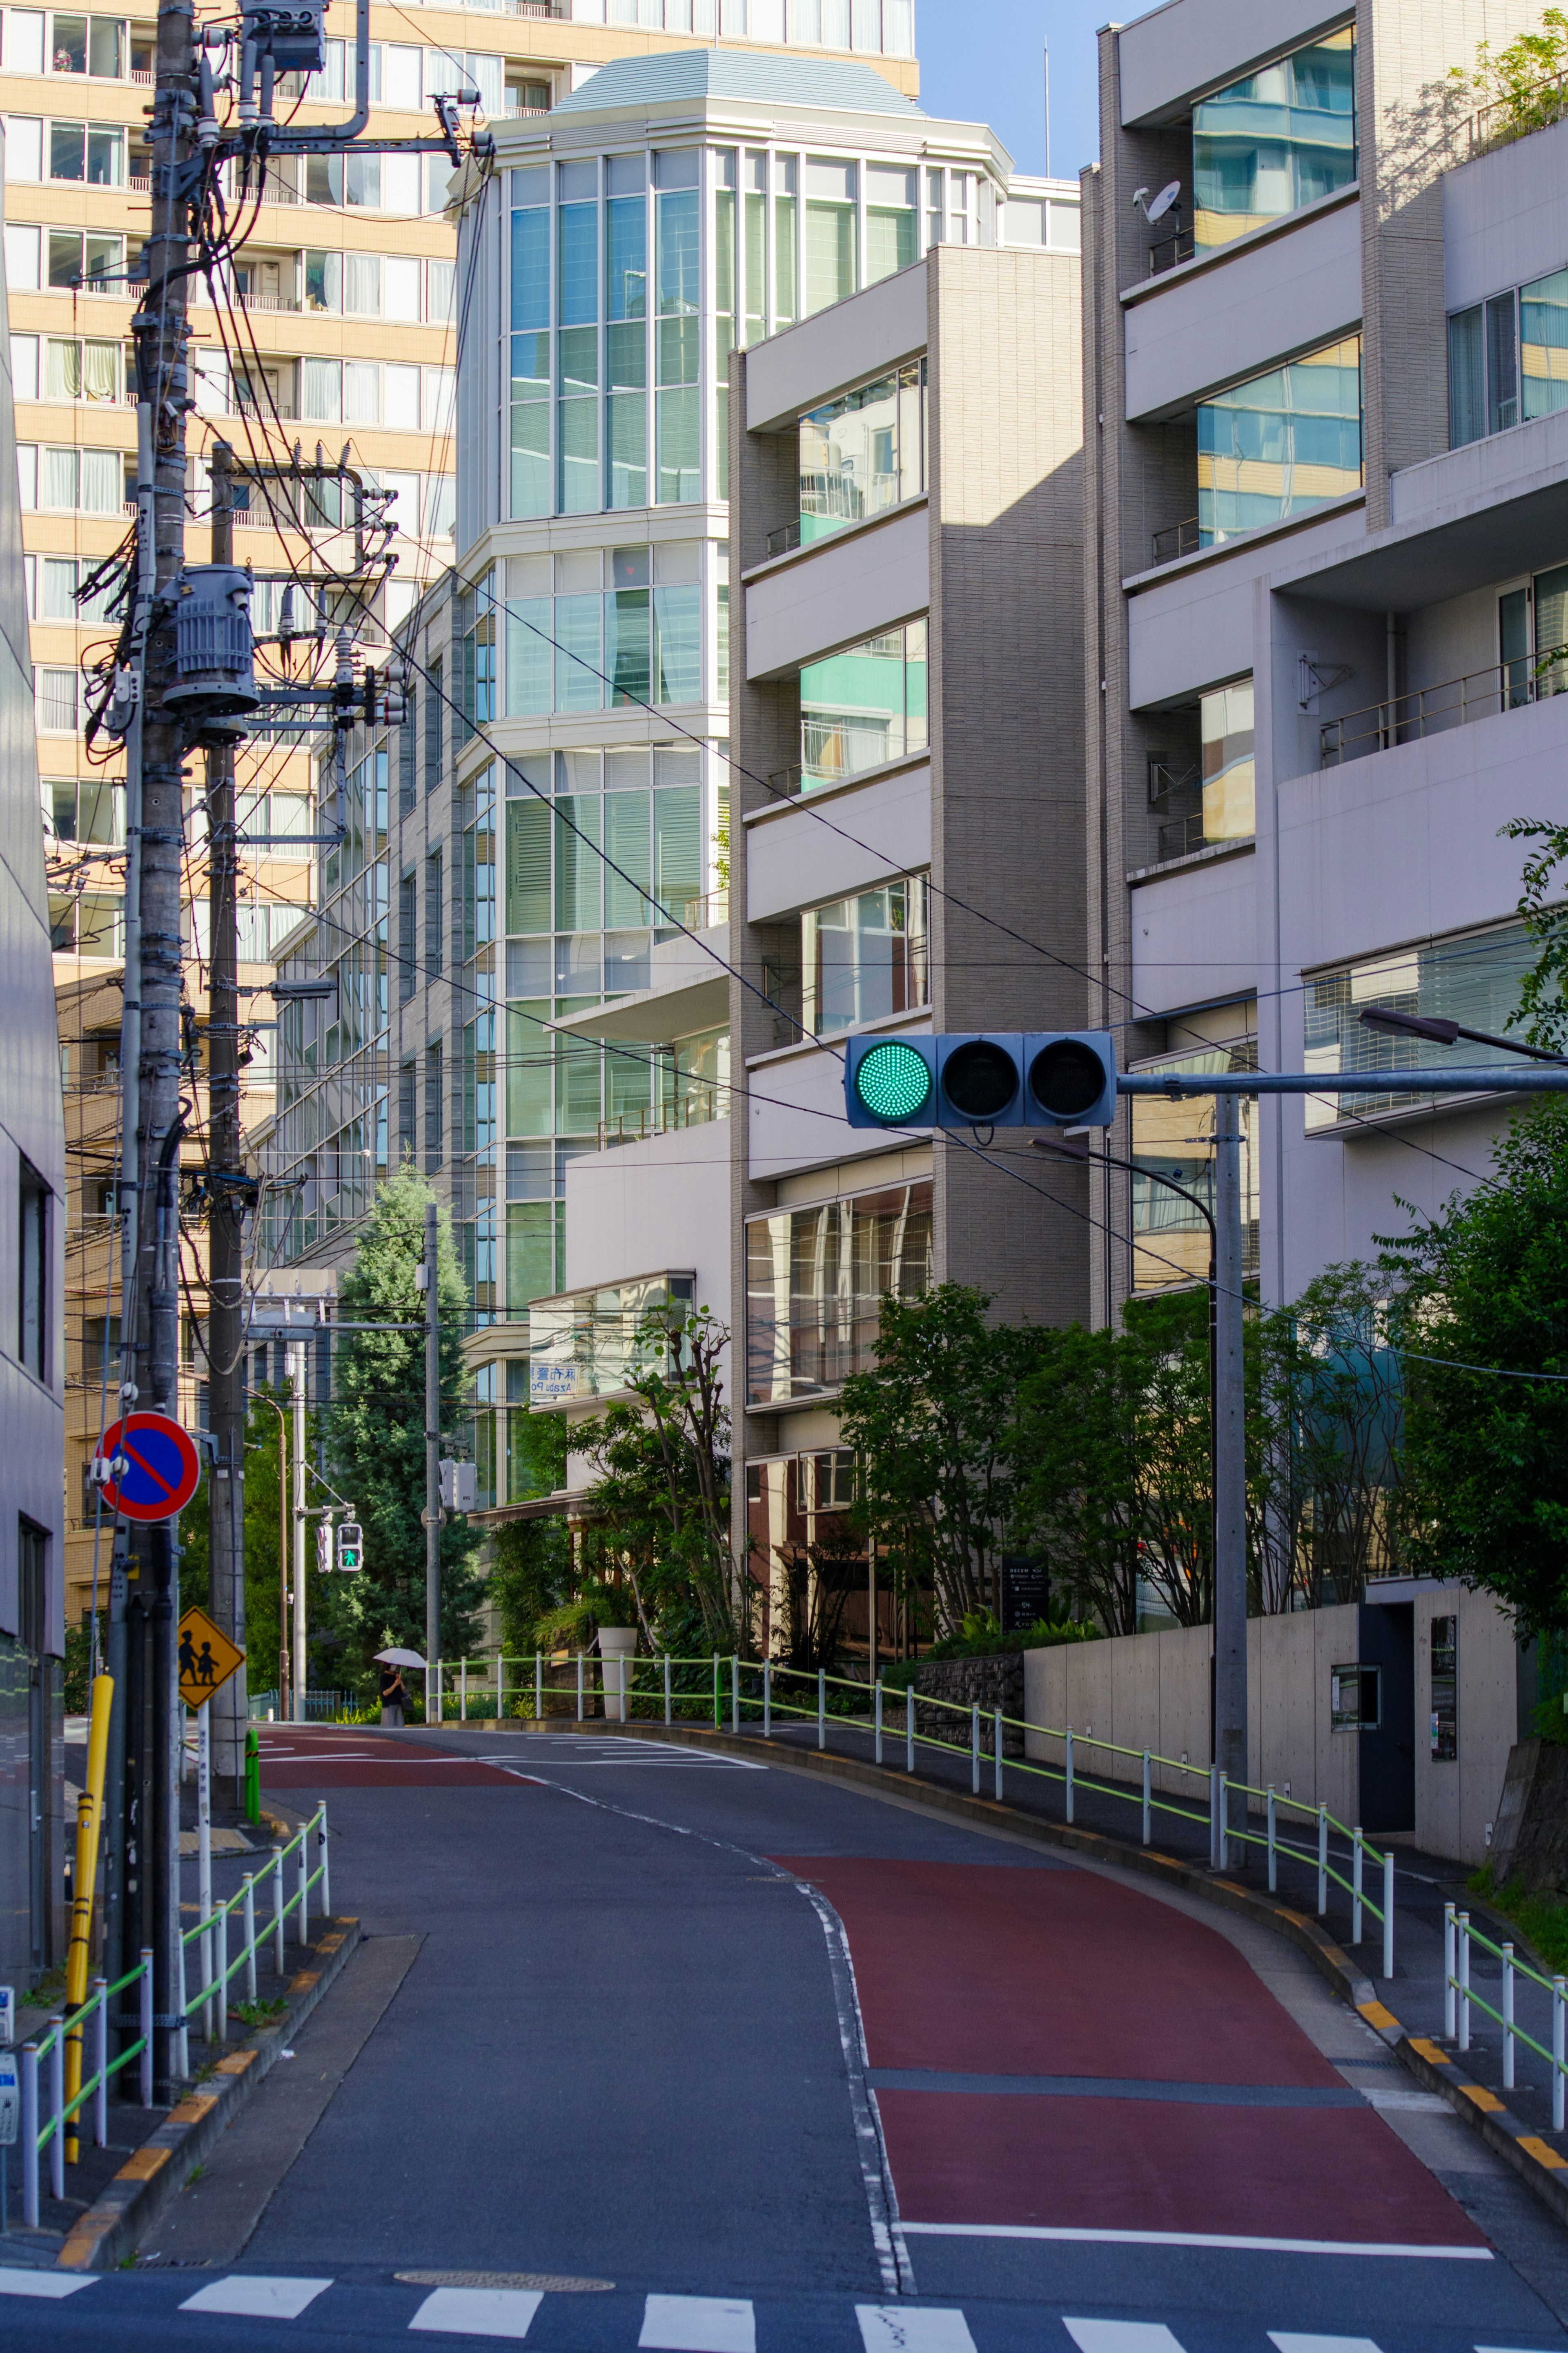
[[1433, 710], [1459, 1994]]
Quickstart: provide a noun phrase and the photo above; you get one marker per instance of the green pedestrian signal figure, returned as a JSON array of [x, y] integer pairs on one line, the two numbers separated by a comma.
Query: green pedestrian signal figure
[[351, 1545]]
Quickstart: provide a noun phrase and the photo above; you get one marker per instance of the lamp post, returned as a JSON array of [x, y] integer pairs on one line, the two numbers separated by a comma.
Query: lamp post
[[282, 1555]]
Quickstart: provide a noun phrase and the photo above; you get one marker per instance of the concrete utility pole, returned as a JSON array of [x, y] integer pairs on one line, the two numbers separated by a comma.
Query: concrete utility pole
[[151, 1312], [1229, 1461], [225, 1191], [432, 1448], [297, 1387]]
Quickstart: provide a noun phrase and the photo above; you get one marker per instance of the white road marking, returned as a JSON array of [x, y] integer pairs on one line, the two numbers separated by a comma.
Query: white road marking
[[698, 2324], [257, 2298], [901, 2329], [1122, 2335], [1288, 2343], [1194, 2239], [46, 2283], [480, 2311]]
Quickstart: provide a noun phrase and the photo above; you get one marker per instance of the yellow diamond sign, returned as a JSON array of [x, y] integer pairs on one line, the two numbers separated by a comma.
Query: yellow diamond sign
[[206, 1657]]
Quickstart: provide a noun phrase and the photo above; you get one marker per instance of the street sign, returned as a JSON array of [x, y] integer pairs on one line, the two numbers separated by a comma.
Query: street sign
[[206, 1657], [160, 1466]]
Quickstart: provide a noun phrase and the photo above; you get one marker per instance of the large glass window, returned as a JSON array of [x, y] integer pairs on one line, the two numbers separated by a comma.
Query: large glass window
[[864, 957], [891, 237], [531, 484], [626, 343], [1280, 443], [1475, 981], [1173, 1143], [585, 1344], [1226, 730], [1275, 140], [830, 255], [1508, 359], [639, 640], [815, 1279], [863, 707], [863, 452]]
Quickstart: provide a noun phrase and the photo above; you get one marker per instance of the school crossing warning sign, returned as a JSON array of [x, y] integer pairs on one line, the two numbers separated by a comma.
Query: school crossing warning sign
[[206, 1657]]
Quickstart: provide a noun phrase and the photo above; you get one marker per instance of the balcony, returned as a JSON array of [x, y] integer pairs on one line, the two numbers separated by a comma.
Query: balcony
[[1435, 709], [1177, 539], [786, 537], [1170, 252], [707, 913]]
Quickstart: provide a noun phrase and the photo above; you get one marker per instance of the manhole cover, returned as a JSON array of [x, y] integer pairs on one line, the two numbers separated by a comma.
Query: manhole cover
[[554, 2283]]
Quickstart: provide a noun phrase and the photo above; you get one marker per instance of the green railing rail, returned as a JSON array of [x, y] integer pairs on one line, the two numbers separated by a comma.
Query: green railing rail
[[45, 2057], [624, 1688], [1460, 1995]]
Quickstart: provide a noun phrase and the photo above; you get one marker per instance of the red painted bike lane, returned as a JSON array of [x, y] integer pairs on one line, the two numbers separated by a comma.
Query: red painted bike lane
[[1089, 2060]]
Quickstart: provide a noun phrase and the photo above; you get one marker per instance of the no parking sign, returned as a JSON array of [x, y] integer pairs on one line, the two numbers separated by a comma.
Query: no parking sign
[[151, 1467]]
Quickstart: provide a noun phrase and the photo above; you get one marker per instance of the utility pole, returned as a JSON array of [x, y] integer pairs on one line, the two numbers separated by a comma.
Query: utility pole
[[297, 1387], [432, 1450], [1229, 1465], [227, 1193], [151, 1312]]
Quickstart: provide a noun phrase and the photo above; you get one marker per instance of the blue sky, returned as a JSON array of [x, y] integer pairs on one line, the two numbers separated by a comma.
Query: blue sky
[[981, 63]]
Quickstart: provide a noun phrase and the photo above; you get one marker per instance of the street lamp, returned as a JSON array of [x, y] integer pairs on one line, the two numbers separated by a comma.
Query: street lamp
[[1440, 1032]]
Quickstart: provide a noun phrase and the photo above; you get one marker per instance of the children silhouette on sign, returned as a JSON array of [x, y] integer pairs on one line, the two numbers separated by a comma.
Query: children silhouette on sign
[[187, 1657], [198, 1668], [207, 1666]]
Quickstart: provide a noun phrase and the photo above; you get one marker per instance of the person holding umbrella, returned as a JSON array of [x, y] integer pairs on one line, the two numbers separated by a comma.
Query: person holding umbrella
[[393, 1691]]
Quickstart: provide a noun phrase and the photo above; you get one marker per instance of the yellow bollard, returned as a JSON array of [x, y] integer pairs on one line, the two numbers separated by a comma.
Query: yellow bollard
[[88, 1823]]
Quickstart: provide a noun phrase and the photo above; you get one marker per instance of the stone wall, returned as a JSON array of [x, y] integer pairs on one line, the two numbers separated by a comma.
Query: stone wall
[[985, 1683]]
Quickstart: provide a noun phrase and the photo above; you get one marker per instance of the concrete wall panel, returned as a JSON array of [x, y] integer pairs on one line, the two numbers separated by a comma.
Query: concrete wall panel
[[843, 589], [1190, 44], [805, 855], [1194, 935], [1505, 218], [846, 345]]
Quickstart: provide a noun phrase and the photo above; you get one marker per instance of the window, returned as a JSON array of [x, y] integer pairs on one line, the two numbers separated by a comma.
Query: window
[[1225, 732], [863, 707], [1280, 443], [407, 1094], [55, 700], [75, 259], [88, 151], [1473, 981], [1277, 140], [432, 917], [830, 255], [1175, 1142], [1355, 1699], [641, 642], [407, 952], [1444, 1723], [434, 1110], [32, 1587], [1508, 359], [815, 1281], [87, 370], [407, 741], [33, 1274], [82, 44], [863, 453], [677, 335], [433, 713], [891, 234], [865, 957]]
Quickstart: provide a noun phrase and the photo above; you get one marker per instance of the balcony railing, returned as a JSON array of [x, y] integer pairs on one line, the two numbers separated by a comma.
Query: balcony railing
[[1434, 710], [785, 780], [699, 1107], [1178, 539], [704, 914], [787, 535], [1179, 836], [1170, 252]]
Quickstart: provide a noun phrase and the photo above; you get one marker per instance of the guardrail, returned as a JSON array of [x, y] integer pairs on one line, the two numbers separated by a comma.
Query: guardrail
[[93, 2020], [623, 1691], [1459, 1994]]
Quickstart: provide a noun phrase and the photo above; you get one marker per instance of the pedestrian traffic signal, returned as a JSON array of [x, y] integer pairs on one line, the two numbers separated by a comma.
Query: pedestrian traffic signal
[[460, 1486], [351, 1545], [1048, 1078], [323, 1547]]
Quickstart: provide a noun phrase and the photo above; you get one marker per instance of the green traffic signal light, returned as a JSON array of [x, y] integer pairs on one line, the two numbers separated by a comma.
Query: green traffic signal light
[[893, 1081]]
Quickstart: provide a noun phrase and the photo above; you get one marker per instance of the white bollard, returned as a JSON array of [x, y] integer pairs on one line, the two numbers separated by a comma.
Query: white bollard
[[909, 1726], [579, 1686], [1508, 2018], [58, 2109], [220, 1990], [100, 2063], [1322, 1860], [205, 1857], [1273, 1849], [822, 1707], [1357, 1853], [998, 1730], [879, 1708], [974, 1752], [144, 2026], [1148, 1802], [1450, 1962], [276, 1909], [1559, 2000], [734, 1693], [1464, 1926], [248, 1885], [326, 1866], [463, 1692], [30, 2135], [767, 1698], [1069, 1792], [667, 1711], [1388, 1914], [1222, 1822]]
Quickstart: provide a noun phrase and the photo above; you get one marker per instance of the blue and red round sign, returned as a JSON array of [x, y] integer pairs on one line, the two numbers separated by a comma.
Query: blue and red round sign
[[161, 1467]]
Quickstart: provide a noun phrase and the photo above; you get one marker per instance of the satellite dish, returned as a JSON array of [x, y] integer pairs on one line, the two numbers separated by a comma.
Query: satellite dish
[[1163, 201]]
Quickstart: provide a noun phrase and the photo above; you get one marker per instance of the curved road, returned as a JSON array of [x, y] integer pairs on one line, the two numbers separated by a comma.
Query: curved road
[[649, 2047]]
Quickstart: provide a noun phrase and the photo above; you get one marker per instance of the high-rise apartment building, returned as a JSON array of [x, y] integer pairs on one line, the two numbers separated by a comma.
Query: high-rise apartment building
[[337, 324]]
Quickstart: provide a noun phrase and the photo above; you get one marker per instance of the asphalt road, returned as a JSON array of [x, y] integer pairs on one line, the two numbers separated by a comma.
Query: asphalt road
[[647, 2048]]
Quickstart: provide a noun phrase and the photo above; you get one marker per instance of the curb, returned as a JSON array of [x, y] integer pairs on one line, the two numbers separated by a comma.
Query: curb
[[153, 2175], [1537, 2163]]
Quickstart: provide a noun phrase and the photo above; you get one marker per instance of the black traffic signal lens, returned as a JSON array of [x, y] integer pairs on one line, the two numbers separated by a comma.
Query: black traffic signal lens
[[1067, 1078], [980, 1079]]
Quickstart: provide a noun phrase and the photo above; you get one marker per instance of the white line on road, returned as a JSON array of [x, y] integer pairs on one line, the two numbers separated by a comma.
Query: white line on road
[[698, 2324], [480, 2311], [46, 2283], [1194, 2239], [1288, 2343], [1122, 2335], [902, 2328], [257, 2298]]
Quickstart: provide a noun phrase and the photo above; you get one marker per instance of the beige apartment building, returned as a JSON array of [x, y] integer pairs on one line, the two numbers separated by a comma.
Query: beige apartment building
[[336, 321]]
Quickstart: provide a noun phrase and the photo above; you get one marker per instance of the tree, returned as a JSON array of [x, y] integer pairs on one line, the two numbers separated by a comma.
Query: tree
[[1486, 1285], [376, 1435], [930, 1422]]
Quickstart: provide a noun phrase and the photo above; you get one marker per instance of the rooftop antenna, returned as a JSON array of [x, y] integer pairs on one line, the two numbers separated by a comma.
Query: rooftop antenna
[[1046, 53]]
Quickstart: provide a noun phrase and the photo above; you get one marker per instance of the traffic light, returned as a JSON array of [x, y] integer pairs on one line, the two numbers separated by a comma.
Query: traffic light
[[460, 1487], [351, 1545], [323, 1547], [1038, 1078]]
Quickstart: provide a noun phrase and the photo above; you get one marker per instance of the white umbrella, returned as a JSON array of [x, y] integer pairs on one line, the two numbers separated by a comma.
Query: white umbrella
[[400, 1659]]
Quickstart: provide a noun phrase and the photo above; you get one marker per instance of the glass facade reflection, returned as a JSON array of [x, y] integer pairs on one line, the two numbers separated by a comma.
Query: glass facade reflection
[[863, 453], [815, 1279], [1474, 981], [1282, 443], [863, 707], [865, 957], [1226, 733], [1275, 140]]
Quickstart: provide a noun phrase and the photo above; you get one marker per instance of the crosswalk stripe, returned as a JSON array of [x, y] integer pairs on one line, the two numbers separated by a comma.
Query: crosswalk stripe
[[1122, 2335], [480, 2311], [698, 2324], [898, 2328], [53, 2284], [1287, 2341], [254, 2296]]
